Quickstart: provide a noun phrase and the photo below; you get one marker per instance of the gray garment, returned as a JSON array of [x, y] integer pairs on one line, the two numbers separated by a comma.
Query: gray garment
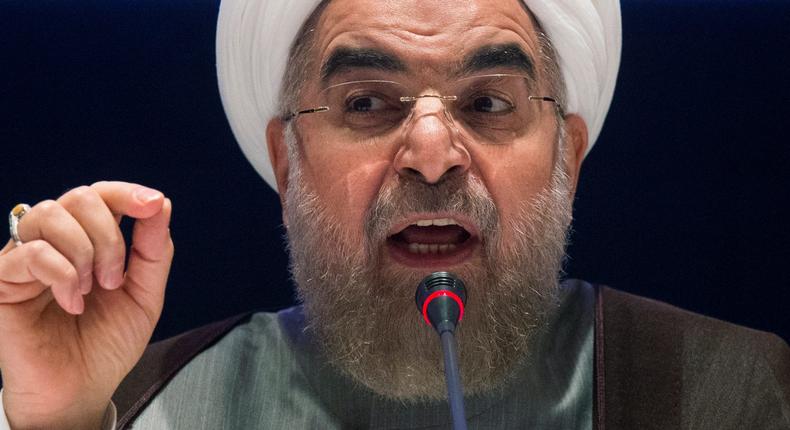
[[266, 374]]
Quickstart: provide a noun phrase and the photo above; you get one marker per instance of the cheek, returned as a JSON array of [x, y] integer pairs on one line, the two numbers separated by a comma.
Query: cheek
[[515, 174], [346, 185]]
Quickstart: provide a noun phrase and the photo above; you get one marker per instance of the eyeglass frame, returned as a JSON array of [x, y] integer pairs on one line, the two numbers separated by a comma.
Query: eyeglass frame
[[408, 99]]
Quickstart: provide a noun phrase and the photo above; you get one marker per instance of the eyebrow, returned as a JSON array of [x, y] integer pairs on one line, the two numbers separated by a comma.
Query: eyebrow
[[487, 57], [345, 58]]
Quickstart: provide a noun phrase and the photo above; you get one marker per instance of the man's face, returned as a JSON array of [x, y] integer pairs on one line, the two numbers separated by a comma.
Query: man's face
[[359, 211]]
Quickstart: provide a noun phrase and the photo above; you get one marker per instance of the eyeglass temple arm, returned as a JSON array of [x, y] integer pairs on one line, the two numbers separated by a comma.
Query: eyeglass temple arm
[[293, 115], [551, 100]]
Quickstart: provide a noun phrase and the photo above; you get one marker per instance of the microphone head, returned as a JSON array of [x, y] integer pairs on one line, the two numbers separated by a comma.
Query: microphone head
[[441, 298]]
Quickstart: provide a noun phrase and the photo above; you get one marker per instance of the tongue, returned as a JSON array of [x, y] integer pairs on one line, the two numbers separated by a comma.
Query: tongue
[[451, 234]]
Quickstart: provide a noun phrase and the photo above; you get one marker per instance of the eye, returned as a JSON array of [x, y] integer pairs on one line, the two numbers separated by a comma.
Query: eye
[[369, 110], [490, 104], [366, 104]]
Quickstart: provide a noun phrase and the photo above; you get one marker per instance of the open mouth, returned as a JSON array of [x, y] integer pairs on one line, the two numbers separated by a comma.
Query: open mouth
[[429, 241]]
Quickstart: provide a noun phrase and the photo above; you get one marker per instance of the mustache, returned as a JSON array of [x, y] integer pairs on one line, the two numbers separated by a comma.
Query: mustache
[[462, 194]]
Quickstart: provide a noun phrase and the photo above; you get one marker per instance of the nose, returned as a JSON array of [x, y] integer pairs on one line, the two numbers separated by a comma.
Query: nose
[[431, 149]]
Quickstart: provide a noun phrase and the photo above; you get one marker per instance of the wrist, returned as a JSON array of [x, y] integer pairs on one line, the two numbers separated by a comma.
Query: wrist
[[25, 415]]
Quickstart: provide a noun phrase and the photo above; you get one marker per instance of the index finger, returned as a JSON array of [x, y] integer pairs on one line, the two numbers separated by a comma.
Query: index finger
[[126, 198]]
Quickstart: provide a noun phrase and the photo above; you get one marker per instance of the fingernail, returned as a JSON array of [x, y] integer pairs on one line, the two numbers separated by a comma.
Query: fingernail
[[77, 303], [86, 282], [146, 195], [106, 279], [117, 277], [103, 277], [112, 278]]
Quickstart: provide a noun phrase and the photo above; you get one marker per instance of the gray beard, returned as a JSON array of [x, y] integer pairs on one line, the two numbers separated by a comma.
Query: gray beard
[[363, 314]]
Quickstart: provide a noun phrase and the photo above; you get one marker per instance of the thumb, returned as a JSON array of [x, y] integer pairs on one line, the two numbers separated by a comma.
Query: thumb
[[149, 261]]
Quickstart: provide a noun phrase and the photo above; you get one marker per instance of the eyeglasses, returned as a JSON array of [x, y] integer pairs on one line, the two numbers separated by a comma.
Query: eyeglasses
[[492, 109]]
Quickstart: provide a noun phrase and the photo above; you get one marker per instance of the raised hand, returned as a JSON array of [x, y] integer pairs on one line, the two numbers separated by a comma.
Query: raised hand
[[72, 323]]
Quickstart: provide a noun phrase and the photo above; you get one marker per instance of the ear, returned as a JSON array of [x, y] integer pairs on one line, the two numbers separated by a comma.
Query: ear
[[278, 156], [575, 146]]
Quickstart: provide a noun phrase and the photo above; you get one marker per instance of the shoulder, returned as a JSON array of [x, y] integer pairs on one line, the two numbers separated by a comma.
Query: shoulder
[[163, 360], [646, 319], [700, 369]]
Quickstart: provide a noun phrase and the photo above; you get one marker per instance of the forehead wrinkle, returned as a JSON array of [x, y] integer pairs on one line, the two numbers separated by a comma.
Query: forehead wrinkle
[[365, 26]]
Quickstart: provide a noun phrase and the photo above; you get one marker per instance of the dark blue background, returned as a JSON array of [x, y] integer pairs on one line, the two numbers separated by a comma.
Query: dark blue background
[[684, 198]]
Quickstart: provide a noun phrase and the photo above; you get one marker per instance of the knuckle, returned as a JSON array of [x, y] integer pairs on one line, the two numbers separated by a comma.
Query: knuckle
[[47, 208], [69, 273], [80, 193], [79, 196], [114, 241], [38, 247], [84, 252]]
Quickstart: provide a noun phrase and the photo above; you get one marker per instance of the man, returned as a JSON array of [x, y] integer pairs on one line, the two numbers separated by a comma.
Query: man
[[411, 137]]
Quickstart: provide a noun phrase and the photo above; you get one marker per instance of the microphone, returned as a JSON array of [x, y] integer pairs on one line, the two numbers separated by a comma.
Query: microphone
[[441, 297]]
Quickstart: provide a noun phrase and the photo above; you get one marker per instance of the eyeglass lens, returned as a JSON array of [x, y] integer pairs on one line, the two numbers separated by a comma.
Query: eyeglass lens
[[494, 109]]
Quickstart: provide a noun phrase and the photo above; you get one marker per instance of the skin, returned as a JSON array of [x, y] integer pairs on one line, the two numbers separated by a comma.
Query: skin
[[72, 324], [427, 36]]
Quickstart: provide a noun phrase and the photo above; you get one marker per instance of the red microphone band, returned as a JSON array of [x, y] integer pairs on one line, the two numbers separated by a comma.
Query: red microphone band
[[441, 293]]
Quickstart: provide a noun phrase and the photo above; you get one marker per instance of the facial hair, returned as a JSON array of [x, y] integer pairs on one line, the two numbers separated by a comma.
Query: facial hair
[[362, 311]]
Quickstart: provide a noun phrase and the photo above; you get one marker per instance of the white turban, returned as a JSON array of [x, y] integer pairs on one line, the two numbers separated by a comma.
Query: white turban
[[254, 39]]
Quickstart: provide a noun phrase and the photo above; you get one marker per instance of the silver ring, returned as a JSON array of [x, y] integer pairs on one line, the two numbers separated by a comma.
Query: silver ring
[[14, 217]]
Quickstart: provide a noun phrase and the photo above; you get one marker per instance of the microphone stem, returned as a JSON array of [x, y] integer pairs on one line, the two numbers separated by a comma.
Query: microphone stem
[[455, 392]]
